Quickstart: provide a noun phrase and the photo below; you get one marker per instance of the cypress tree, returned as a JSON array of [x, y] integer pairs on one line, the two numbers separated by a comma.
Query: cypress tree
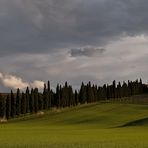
[[76, 98], [71, 96], [58, 96], [66, 94], [23, 103], [104, 92], [40, 100], [52, 94], [109, 91], [119, 89], [8, 107], [114, 89], [13, 105], [45, 98], [90, 94], [129, 88], [83, 94], [49, 95], [140, 87], [36, 107], [94, 89], [27, 100], [18, 102], [125, 89], [2, 106], [58, 99], [63, 98], [32, 101], [48, 88]]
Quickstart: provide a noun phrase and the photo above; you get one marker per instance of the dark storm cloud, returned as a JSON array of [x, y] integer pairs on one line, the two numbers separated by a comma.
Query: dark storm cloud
[[88, 52], [36, 35], [49, 25]]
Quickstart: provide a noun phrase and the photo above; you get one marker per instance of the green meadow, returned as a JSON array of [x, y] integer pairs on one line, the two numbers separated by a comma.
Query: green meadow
[[101, 125]]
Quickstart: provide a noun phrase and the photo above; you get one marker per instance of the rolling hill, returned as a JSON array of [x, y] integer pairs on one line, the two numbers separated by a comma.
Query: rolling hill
[[94, 125]]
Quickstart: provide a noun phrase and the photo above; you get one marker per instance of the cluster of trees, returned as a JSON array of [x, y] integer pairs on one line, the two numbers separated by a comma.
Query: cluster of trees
[[32, 101]]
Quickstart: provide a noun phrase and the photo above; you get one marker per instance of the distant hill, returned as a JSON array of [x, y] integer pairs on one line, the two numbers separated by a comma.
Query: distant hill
[[102, 115]]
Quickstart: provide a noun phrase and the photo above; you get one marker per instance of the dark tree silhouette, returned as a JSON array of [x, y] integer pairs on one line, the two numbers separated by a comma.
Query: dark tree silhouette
[[13, 105], [8, 107]]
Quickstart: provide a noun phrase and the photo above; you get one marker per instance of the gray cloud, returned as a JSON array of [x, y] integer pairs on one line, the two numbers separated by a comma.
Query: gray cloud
[[36, 35], [89, 52], [41, 26]]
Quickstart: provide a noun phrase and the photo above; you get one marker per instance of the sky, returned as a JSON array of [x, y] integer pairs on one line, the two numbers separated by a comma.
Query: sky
[[72, 40]]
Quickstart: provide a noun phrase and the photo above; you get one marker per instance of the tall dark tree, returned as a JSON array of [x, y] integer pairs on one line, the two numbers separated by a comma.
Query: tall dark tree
[[2, 106], [76, 97], [90, 93], [48, 86], [18, 102], [119, 90], [71, 101], [58, 97], [104, 92], [64, 96], [40, 101], [114, 89], [27, 100], [23, 103], [8, 107], [45, 98], [32, 102], [95, 93], [36, 105], [83, 94], [13, 105], [48, 96]]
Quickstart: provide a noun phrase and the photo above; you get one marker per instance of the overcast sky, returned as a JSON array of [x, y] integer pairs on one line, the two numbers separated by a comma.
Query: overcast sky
[[72, 40]]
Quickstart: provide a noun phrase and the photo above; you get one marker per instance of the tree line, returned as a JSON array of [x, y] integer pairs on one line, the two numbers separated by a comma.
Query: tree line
[[32, 101]]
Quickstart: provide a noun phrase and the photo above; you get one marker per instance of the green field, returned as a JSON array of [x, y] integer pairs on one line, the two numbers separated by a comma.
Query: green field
[[102, 125]]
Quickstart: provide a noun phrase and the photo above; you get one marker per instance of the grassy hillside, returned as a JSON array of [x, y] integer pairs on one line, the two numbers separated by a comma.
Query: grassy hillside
[[101, 125]]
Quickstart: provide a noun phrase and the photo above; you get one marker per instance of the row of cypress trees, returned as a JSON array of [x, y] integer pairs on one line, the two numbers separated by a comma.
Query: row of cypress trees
[[32, 101]]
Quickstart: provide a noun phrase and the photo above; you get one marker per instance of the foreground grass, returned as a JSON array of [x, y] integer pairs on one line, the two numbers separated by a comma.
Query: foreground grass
[[104, 125]]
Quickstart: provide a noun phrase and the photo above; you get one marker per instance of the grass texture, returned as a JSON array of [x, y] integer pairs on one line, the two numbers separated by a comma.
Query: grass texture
[[101, 125]]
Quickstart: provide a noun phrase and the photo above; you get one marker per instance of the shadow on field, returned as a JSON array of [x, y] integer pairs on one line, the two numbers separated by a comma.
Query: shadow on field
[[139, 122]]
